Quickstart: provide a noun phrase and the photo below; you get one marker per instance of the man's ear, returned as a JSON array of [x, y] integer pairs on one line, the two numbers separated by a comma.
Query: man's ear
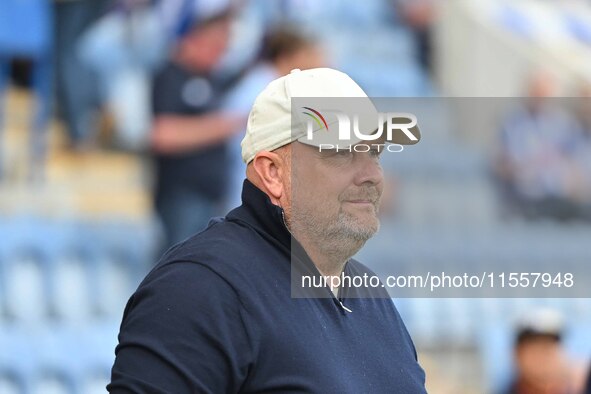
[[270, 171]]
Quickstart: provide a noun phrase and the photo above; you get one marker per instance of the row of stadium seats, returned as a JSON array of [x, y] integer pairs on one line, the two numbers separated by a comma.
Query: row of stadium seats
[[67, 270], [56, 358], [461, 321], [63, 287]]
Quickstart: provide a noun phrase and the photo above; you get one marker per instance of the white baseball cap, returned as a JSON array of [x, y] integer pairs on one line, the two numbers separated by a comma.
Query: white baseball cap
[[271, 123]]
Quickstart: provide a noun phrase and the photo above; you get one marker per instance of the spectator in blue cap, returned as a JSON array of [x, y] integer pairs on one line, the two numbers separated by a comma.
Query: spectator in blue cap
[[189, 131]]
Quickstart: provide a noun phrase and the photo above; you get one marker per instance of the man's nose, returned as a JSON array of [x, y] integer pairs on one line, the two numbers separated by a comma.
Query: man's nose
[[369, 170]]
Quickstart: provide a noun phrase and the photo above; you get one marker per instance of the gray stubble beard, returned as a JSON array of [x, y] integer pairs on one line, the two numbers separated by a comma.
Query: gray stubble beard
[[341, 238]]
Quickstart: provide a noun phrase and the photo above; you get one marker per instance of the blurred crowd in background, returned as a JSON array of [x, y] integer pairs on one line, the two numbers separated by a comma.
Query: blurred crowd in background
[[544, 163], [120, 131]]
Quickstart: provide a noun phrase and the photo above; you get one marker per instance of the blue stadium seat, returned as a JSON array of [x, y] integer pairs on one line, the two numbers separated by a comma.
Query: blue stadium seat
[[121, 254], [9, 383], [61, 357], [30, 250], [18, 355]]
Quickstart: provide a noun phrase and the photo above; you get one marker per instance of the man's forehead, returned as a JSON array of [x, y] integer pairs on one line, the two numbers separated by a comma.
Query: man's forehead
[[304, 152]]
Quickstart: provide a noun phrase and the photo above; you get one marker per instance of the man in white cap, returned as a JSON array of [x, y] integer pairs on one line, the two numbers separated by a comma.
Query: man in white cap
[[221, 312]]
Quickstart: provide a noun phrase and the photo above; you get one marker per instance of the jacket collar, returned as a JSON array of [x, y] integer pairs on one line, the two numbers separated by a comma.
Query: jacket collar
[[258, 211]]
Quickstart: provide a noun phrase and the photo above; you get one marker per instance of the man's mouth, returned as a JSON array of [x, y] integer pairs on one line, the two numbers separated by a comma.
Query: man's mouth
[[361, 201]]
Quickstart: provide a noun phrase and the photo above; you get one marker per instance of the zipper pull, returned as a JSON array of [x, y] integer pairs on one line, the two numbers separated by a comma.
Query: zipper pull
[[344, 307]]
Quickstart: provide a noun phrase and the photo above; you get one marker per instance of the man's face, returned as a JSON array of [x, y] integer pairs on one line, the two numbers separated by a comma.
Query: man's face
[[542, 365], [204, 47], [335, 195], [307, 57]]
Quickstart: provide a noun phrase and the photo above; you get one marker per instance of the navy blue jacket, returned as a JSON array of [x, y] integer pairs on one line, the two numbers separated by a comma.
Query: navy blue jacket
[[216, 315]]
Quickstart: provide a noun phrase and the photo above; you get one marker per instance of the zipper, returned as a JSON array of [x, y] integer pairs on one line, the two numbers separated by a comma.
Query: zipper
[[344, 307]]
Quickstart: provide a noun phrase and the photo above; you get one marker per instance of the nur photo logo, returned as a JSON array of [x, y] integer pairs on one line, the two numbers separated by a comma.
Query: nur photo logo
[[316, 116], [354, 130]]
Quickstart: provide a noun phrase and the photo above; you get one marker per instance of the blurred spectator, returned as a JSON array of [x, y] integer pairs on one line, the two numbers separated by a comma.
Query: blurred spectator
[[114, 48], [25, 38], [78, 93], [189, 132], [420, 15], [284, 50], [536, 166], [542, 366], [583, 150]]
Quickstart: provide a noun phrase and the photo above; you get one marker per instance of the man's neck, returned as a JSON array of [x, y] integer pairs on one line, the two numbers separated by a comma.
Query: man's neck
[[328, 265], [329, 257]]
